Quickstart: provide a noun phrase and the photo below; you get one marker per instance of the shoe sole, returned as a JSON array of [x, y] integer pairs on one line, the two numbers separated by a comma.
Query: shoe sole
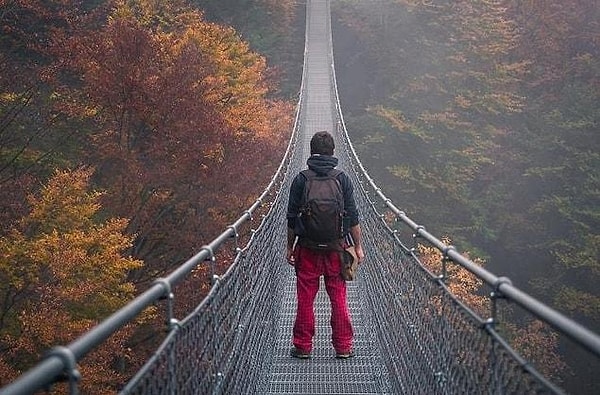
[[299, 355]]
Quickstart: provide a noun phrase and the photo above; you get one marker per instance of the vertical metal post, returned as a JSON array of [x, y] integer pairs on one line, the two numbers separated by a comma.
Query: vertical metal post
[[172, 324], [70, 364], [494, 296], [415, 236], [445, 260]]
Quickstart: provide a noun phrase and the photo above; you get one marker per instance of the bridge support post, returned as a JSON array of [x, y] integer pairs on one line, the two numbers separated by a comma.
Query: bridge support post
[[494, 296], [70, 363]]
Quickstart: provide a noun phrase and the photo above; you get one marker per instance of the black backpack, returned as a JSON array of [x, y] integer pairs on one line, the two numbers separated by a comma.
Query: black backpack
[[322, 210]]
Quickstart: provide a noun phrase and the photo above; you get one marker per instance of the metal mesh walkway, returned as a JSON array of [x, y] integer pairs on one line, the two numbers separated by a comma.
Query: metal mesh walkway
[[322, 374]]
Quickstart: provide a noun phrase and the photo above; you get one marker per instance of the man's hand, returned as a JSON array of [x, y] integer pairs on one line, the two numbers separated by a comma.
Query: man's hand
[[355, 232], [360, 254], [291, 259], [291, 240]]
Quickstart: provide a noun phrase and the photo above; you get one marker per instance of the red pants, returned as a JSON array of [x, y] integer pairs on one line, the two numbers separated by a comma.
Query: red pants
[[310, 266]]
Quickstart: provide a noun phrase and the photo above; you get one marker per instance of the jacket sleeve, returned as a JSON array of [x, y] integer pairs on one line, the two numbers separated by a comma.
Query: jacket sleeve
[[351, 217], [295, 200]]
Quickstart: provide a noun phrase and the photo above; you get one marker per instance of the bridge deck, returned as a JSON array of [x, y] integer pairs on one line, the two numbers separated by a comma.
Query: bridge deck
[[323, 373]]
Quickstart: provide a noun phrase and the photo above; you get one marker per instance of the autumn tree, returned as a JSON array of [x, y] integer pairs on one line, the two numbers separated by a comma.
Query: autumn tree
[[176, 115], [181, 102], [34, 137], [538, 343], [464, 285], [62, 271]]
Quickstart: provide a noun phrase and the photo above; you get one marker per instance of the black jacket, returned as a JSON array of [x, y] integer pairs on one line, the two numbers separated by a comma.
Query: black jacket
[[322, 164]]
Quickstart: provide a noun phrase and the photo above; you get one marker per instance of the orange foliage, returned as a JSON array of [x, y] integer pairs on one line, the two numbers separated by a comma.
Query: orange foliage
[[170, 110], [180, 102], [62, 271], [539, 344], [535, 342], [461, 283]]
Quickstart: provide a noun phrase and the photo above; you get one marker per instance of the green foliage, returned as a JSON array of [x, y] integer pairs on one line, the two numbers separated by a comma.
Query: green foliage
[[483, 124], [578, 302], [274, 28]]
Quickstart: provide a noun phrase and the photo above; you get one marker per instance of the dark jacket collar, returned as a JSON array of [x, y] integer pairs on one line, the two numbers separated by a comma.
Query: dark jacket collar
[[322, 163]]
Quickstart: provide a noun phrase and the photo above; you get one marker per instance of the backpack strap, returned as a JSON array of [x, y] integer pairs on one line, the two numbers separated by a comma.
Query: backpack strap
[[309, 173]]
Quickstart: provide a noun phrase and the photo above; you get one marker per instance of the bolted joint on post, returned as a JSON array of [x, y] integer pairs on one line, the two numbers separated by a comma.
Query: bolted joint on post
[[446, 250], [494, 296], [489, 323], [166, 286], [211, 258], [169, 296], [235, 236], [70, 371], [415, 236], [496, 286], [174, 324]]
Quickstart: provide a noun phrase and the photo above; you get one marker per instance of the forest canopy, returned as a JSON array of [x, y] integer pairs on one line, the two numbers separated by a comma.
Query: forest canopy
[[126, 127], [481, 119]]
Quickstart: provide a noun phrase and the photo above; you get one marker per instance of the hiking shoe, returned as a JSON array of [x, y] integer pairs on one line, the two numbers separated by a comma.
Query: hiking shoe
[[344, 355], [296, 353]]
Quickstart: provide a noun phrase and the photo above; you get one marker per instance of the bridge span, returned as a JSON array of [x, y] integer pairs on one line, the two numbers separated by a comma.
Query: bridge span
[[412, 335]]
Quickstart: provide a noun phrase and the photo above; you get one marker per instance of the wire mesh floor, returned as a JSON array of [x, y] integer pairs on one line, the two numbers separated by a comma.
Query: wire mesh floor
[[323, 373]]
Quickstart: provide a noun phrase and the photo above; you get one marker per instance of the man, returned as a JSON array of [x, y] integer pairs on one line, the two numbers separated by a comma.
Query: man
[[311, 263]]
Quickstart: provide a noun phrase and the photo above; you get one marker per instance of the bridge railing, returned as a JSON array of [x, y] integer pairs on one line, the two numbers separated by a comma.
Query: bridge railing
[[60, 363], [501, 287]]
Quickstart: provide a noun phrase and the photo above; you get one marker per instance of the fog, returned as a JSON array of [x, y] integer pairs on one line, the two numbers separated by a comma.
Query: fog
[[509, 180]]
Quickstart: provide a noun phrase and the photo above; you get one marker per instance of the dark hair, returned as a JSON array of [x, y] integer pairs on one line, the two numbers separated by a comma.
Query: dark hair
[[322, 144]]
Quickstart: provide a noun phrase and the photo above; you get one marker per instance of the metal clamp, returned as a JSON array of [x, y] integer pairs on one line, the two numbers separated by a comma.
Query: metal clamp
[[169, 296], [166, 287], [496, 286], [70, 366], [494, 296]]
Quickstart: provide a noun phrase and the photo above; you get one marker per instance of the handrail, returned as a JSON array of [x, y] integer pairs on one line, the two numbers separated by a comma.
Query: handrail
[[575, 331], [55, 364]]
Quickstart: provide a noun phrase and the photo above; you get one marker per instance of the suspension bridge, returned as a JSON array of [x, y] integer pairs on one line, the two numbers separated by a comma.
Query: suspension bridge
[[412, 335]]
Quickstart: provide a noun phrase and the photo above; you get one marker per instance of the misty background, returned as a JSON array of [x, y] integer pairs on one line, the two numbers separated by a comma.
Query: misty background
[[480, 120]]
